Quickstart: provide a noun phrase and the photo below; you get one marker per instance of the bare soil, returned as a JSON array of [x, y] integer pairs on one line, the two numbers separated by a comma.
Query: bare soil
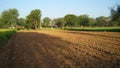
[[61, 49]]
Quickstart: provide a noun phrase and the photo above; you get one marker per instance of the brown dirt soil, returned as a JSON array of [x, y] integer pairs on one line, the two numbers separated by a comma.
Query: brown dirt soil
[[61, 49]]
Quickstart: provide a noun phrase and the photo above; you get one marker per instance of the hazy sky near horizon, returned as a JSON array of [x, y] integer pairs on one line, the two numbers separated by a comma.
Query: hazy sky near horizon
[[59, 8]]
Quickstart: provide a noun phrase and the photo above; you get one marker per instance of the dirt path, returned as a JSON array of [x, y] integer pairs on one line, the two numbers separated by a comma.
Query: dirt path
[[62, 49]]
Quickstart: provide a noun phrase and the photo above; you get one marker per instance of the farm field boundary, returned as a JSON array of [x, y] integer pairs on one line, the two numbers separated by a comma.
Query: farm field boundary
[[109, 29]]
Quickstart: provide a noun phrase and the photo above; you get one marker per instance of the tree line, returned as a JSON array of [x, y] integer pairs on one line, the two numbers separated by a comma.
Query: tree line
[[9, 19]]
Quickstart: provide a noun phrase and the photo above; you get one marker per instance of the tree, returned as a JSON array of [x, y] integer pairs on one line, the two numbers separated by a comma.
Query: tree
[[60, 22], [1, 23], [63, 23], [115, 16], [92, 22], [33, 19], [28, 22], [21, 22], [102, 21], [83, 20], [114, 23], [71, 20], [46, 21], [9, 17], [5, 18]]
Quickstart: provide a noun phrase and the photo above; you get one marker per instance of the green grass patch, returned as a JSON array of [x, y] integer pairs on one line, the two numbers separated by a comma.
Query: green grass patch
[[50, 28], [109, 29], [5, 35]]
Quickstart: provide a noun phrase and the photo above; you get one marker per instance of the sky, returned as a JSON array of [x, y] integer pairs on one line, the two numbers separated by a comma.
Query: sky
[[60, 8]]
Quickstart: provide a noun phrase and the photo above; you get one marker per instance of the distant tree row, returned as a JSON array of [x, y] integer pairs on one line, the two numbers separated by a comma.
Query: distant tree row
[[9, 19], [71, 20]]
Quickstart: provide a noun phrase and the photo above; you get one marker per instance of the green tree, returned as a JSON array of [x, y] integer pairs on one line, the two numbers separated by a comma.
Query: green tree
[[9, 17], [114, 23], [21, 22], [71, 20], [92, 22], [28, 22], [63, 23], [4, 18], [60, 22], [46, 21], [102, 21], [1, 23], [115, 16], [83, 20], [33, 19]]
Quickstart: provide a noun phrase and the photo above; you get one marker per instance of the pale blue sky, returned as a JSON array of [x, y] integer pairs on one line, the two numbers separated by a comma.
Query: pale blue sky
[[59, 8]]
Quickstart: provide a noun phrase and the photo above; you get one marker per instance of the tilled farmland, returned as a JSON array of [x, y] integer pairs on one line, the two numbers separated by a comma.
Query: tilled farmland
[[62, 49]]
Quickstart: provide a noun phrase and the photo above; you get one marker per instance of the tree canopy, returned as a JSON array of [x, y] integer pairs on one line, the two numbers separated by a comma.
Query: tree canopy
[[21, 22], [46, 21], [60, 22], [33, 19], [83, 20], [9, 18], [115, 15], [102, 21], [71, 20]]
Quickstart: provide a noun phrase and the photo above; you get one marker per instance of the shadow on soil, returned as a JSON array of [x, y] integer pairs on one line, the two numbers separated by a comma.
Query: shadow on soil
[[35, 47]]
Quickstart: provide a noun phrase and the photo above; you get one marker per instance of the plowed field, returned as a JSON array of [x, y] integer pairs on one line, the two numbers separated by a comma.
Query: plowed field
[[61, 49]]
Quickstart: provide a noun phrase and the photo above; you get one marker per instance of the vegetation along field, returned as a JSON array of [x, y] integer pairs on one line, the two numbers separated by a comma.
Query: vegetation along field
[[5, 35], [109, 29], [62, 49]]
